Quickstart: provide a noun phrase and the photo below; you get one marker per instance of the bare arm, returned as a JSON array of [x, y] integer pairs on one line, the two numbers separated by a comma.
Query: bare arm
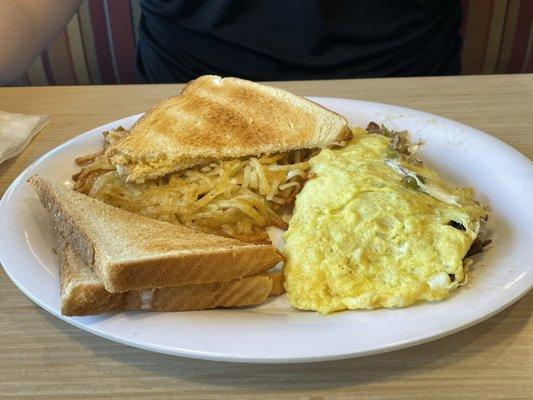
[[27, 27]]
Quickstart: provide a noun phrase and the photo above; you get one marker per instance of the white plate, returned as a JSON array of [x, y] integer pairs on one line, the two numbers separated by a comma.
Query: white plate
[[273, 332]]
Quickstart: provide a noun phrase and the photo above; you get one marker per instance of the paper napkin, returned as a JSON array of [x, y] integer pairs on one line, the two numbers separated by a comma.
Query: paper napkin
[[16, 131]]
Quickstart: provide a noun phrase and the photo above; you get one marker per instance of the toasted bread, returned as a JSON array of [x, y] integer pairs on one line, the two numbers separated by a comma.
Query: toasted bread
[[128, 251], [218, 118], [82, 293]]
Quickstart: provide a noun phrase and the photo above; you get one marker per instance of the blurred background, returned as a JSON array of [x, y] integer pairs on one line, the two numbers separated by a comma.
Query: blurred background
[[99, 43]]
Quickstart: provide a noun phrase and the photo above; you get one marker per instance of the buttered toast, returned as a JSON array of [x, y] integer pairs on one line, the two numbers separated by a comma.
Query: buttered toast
[[221, 118]]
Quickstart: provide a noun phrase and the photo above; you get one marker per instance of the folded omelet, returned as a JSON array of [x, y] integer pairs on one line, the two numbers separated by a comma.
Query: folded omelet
[[376, 228]]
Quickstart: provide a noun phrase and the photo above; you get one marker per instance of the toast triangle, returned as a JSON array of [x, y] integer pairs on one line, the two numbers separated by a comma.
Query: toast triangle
[[82, 293], [131, 252], [216, 118]]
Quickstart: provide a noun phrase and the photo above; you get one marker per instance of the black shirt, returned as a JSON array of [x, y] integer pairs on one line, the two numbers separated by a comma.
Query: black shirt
[[297, 39]]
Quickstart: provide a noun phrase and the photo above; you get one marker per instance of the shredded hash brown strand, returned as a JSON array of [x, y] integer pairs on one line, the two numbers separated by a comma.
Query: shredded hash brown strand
[[235, 198]]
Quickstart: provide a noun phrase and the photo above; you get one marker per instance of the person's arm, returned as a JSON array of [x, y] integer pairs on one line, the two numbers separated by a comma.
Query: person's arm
[[27, 27]]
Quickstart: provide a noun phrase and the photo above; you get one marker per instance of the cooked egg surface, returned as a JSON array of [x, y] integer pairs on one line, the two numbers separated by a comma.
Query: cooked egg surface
[[362, 237]]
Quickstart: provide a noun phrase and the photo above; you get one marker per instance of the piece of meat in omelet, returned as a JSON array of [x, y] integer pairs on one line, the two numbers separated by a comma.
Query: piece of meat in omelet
[[376, 228]]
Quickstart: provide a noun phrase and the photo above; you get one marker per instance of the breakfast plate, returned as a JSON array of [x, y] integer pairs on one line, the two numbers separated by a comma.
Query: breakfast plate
[[274, 332]]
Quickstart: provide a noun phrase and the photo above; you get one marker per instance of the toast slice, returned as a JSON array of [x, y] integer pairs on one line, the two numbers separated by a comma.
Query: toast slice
[[218, 118], [82, 293], [128, 251]]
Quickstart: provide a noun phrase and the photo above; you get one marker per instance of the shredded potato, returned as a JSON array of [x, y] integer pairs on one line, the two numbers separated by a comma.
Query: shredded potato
[[235, 198]]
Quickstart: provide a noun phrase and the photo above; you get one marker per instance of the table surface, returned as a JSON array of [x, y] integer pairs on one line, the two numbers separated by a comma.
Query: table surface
[[46, 358]]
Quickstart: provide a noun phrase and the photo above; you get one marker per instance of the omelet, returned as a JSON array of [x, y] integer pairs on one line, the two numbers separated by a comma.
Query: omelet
[[376, 228]]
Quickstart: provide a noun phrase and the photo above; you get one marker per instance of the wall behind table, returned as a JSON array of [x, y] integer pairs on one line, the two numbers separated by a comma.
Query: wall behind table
[[98, 45]]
